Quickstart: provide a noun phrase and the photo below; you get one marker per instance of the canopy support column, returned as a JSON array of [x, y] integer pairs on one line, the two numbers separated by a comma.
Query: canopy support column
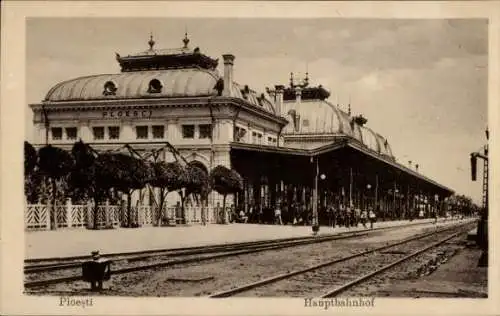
[[350, 187], [315, 224]]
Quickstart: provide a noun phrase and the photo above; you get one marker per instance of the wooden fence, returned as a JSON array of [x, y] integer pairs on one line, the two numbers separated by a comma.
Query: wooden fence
[[37, 216]]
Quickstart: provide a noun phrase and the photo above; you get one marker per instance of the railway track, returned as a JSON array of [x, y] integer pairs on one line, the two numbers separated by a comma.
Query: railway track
[[69, 271], [339, 275], [59, 263]]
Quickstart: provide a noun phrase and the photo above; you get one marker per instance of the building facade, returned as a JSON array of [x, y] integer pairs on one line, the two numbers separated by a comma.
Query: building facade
[[178, 96]]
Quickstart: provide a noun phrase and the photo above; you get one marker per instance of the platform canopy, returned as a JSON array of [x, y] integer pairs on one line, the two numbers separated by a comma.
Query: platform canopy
[[335, 161]]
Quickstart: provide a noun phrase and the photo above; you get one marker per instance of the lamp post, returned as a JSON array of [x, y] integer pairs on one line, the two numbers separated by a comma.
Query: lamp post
[[396, 191], [368, 187], [315, 223], [375, 203]]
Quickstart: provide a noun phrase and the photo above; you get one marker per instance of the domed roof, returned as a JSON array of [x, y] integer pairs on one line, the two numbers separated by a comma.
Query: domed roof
[[320, 117], [129, 85], [189, 82]]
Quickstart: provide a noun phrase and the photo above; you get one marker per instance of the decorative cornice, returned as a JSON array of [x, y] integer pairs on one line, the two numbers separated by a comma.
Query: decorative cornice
[[152, 103], [305, 136], [116, 104], [143, 145]]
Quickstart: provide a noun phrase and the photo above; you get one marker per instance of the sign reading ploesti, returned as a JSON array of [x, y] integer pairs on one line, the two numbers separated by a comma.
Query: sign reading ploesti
[[127, 113], [73, 301]]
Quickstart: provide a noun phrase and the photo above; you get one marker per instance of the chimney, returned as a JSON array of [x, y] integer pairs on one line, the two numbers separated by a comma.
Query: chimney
[[298, 94], [228, 74], [279, 99]]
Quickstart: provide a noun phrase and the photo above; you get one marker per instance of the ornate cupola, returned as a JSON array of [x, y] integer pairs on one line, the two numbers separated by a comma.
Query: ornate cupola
[[156, 59], [307, 92]]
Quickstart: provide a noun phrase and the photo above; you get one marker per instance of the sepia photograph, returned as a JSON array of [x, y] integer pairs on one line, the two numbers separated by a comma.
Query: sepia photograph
[[330, 160]]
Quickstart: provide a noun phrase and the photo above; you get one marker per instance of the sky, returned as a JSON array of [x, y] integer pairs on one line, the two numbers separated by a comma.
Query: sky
[[422, 84]]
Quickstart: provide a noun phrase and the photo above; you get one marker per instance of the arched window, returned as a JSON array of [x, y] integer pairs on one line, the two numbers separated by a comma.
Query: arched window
[[155, 86], [109, 88]]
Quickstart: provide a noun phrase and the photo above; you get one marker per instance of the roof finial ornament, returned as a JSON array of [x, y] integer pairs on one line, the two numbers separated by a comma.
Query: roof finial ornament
[[291, 80], [306, 79], [186, 39], [151, 41]]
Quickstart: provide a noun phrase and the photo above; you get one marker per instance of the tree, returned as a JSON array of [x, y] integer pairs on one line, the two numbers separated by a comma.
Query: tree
[[83, 180], [198, 185], [168, 177], [32, 176], [55, 164], [123, 173], [225, 181], [30, 158], [33, 183]]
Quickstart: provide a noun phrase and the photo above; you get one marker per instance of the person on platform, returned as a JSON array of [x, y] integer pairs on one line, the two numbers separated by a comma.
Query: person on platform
[[243, 218], [410, 214], [260, 214], [363, 217], [232, 214], [372, 216], [347, 216], [341, 215], [285, 213], [357, 214], [293, 213], [303, 215], [277, 215], [251, 214], [331, 216]]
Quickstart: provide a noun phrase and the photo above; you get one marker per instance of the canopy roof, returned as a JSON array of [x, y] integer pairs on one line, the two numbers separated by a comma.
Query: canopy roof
[[342, 143]]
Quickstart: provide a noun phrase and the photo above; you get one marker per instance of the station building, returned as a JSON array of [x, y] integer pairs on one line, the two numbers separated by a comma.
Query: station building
[[290, 144]]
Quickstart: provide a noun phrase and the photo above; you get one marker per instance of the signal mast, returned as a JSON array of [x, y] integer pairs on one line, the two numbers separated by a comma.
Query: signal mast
[[482, 227], [473, 162]]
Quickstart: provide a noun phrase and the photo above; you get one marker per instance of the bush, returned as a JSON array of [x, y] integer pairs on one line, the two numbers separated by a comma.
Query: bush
[[171, 176], [55, 162], [198, 180], [226, 181]]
